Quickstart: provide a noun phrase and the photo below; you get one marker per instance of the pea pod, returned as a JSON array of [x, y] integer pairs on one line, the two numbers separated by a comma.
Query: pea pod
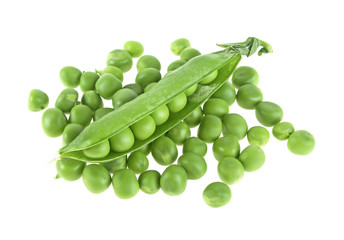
[[163, 92]]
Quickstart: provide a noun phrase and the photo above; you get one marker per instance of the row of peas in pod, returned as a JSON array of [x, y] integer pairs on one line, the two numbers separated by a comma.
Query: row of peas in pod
[[130, 172]]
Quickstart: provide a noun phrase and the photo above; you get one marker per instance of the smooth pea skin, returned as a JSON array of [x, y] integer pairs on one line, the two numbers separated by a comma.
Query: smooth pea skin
[[144, 128], [71, 131], [160, 115], [149, 87], [226, 92], [195, 145], [114, 165], [107, 85], [235, 125], [164, 151], [138, 162], [189, 53], [249, 96], [149, 181], [70, 169], [175, 64], [38, 100], [99, 150], [101, 112], [283, 130], [217, 194], [244, 75], [216, 106], [148, 61], [194, 118], [53, 122], [194, 165], [301, 142], [117, 72], [122, 96], [258, 136], [173, 180], [70, 76], [230, 170], [227, 146], [81, 114], [125, 184], [208, 79], [191, 90], [121, 59], [210, 128], [135, 87], [178, 103], [268, 113], [96, 178], [67, 99], [146, 149], [179, 133], [92, 99], [147, 76], [252, 158], [88, 81], [177, 46], [122, 141], [134, 48]]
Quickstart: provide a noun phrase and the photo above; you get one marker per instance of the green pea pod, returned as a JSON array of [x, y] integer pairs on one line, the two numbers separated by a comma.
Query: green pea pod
[[167, 89]]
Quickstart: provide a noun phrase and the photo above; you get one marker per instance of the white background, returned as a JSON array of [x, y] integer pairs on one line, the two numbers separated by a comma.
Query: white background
[[291, 197]]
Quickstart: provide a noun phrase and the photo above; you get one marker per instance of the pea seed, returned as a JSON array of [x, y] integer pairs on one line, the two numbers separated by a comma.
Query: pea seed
[[217, 194], [138, 162], [210, 128], [160, 115], [187, 53], [121, 59], [268, 113], [258, 136], [100, 150], [148, 61], [301, 142], [173, 180], [70, 76], [134, 48], [149, 181], [283, 130], [177, 46], [147, 76], [96, 178], [178, 103], [235, 125], [208, 79], [125, 184], [216, 106], [117, 72], [249, 96], [194, 165], [135, 87], [116, 164], [252, 158], [195, 145], [107, 85], [53, 122], [122, 96], [144, 128], [70, 132], [67, 99], [244, 75], [194, 118], [191, 90], [146, 149], [122, 141], [69, 169], [227, 146], [179, 133], [88, 81], [226, 92], [164, 151], [230, 170], [92, 99], [176, 64], [81, 114], [38, 100], [101, 112], [149, 87]]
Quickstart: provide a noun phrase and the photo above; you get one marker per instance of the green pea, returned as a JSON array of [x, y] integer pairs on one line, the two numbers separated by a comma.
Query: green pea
[[179, 133], [122, 141], [268, 113], [208, 79], [92, 99], [121, 59], [178, 103], [194, 118], [249, 96], [195, 145], [144, 128], [99, 150], [122, 96], [149, 181], [217, 194], [149, 87], [191, 90], [252, 158], [177, 46], [194, 165], [164, 151], [96, 178], [117, 164], [227, 146], [283, 130], [53, 122], [175, 64], [146, 149], [216, 106], [234, 124], [301, 142], [101, 112], [187, 53], [70, 76], [258, 136], [135, 87], [107, 85], [160, 115], [81, 114], [134, 48], [173, 180], [67, 99], [88, 81], [70, 169], [38, 100], [70, 132], [138, 162], [147, 76], [125, 184], [148, 61], [230, 170], [210, 128], [117, 72], [244, 75], [226, 92]]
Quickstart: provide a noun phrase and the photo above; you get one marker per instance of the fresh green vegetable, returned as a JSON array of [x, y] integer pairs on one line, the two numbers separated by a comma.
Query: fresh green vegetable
[[230, 170], [235, 125], [149, 181], [244, 75], [194, 118], [189, 53], [146, 149], [194, 165], [160, 115], [92, 99], [210, 128], [216, 106], [70, 169], [96, 178], [117, 72], [249, 96], [208, 79], [258, 136], [268, 113], [252, 158], [164, 151], [135, 87], [125, 184], [107, 85], [147, 76], [144, 128], [70, 76], [134, 48], [122, 96], [227, 146], [117, 164], [101, 112], [81, 114], [122, 141], [176, 64], [173, 180], [177, 46], [100, 150], [38, 100], [226, 92], [71, 131], [301, 142], [53, 122], [121, 59], [88, 81], [138, 162], [217, 194], [67, 99], [195, 145], [148, 61], [179, 133], [178, 103], [283, 130]]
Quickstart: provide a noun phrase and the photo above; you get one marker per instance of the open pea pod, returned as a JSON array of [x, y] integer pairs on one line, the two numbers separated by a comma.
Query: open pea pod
[[167, 89]]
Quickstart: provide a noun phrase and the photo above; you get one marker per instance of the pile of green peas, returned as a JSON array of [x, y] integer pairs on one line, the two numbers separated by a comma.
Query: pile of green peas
[[216, 126]]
